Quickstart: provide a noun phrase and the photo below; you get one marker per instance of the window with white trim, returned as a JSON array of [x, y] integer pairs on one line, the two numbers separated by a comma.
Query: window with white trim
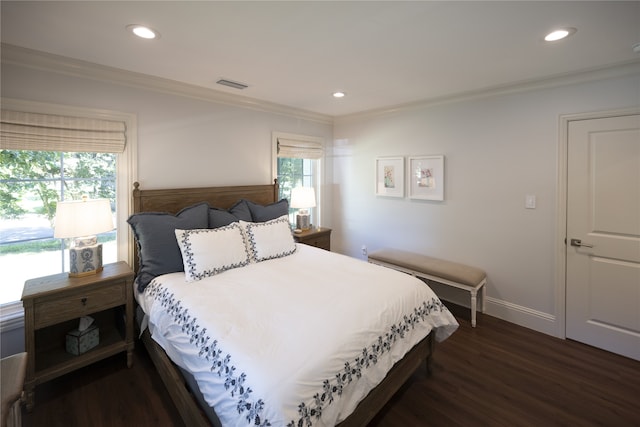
[[50, 153], [298, 162]]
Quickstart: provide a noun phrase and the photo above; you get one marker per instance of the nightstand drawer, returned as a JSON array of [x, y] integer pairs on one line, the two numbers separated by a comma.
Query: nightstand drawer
[[72, 306], [318, 237], [322, 242]]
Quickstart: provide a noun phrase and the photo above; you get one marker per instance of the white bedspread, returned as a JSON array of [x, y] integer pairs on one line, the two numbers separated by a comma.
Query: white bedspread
[[292, 341]]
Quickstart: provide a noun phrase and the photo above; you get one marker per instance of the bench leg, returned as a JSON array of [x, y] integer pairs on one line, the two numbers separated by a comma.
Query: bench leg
[[474, 301]]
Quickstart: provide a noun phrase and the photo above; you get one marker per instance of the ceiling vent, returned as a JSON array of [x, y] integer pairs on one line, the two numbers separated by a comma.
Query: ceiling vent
[[232, 84]]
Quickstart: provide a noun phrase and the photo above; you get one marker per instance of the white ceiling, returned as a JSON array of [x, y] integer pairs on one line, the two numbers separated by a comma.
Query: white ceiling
[[382, 54]]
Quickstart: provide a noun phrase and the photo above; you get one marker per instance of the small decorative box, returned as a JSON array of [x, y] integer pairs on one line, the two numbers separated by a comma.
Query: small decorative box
[[79, 342]]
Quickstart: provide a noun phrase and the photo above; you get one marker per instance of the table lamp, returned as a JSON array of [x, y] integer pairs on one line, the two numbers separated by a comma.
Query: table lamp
[[303, 198], [81, 220]]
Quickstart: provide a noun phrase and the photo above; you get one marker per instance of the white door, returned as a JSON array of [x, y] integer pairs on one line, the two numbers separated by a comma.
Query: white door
[[603, 234]]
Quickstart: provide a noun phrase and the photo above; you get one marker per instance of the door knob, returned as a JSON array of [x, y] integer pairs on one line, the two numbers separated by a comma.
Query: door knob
[[578, 243]]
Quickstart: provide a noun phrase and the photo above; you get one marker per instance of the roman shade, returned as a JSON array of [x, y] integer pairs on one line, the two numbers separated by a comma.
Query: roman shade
[[299, 149], [21, 130]]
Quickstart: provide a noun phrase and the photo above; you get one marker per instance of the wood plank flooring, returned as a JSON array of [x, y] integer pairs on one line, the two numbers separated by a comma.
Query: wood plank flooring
[[500, 374], [497, 374]]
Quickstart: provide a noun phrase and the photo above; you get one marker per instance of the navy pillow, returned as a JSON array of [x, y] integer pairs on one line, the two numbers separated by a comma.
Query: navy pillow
[[220, 217], [241, 210], [266, 213], [158, 248]]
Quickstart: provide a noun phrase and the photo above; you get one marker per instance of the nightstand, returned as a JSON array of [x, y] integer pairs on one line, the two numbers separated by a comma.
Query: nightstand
[[318, 237], [52, 308]]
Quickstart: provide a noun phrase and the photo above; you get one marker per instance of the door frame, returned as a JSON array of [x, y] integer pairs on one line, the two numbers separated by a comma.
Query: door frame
[[561, 206]]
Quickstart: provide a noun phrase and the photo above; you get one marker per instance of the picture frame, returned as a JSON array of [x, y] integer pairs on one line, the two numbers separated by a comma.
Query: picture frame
[[425, 177], [390, 176]]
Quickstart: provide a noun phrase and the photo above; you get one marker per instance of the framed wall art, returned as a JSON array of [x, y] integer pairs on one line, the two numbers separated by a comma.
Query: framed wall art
[[390, 176], [425, 177]]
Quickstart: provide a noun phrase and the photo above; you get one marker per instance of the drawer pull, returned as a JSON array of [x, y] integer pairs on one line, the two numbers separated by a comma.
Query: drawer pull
[[84, 301]]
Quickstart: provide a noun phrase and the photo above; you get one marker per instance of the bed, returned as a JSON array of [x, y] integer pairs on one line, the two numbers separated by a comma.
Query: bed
[[216, 372]]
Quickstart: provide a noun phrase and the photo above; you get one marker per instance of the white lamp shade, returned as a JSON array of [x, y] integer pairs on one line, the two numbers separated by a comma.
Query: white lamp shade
[[80, 218], [303, 198]]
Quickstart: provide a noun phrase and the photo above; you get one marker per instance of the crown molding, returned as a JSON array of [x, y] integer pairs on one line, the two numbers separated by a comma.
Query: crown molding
[[602, 73], [34, 59], [30, 58]]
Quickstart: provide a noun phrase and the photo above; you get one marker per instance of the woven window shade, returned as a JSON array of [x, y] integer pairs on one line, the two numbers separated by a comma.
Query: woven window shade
[[296, 149], [45, 132]]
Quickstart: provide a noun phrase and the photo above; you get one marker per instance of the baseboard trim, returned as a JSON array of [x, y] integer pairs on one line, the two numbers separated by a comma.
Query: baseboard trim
[[522, 316]]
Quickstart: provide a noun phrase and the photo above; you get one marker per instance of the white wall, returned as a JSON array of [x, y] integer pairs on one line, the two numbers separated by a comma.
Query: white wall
[[182, 141], [497, 150]]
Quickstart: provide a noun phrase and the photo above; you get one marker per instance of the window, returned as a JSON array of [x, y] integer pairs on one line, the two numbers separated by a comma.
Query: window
[[298, 162], [31, 184], [50, 153]]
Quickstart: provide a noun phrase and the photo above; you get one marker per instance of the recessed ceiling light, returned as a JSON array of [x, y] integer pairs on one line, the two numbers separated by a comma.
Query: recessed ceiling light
[[143, 32], [559, 34], [339, 94]]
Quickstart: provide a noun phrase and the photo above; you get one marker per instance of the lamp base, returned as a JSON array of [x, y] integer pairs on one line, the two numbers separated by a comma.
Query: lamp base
[[302, 221], [85, 261]]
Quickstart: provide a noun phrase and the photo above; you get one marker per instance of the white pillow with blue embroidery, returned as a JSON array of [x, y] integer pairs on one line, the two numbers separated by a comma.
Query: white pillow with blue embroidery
[[211, 251], [270, 239]]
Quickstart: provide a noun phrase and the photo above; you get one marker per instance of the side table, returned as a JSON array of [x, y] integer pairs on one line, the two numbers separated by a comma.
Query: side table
[[52, 307]]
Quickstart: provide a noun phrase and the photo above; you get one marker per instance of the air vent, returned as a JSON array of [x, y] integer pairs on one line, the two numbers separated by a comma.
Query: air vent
[[232, 84]]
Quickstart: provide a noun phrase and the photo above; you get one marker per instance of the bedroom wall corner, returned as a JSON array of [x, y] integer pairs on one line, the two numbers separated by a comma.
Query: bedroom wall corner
[[498, 149]]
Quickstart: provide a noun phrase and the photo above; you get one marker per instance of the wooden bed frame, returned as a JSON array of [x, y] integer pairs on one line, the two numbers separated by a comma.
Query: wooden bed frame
[[172, 201]]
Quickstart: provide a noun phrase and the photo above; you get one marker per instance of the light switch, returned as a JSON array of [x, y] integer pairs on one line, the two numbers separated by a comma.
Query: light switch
[[530, 201]]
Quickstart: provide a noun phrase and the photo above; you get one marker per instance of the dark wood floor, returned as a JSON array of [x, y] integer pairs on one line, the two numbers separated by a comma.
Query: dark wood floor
[[497, 374]]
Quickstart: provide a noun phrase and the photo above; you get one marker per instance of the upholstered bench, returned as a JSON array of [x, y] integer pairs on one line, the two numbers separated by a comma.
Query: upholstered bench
[[460, 276]]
